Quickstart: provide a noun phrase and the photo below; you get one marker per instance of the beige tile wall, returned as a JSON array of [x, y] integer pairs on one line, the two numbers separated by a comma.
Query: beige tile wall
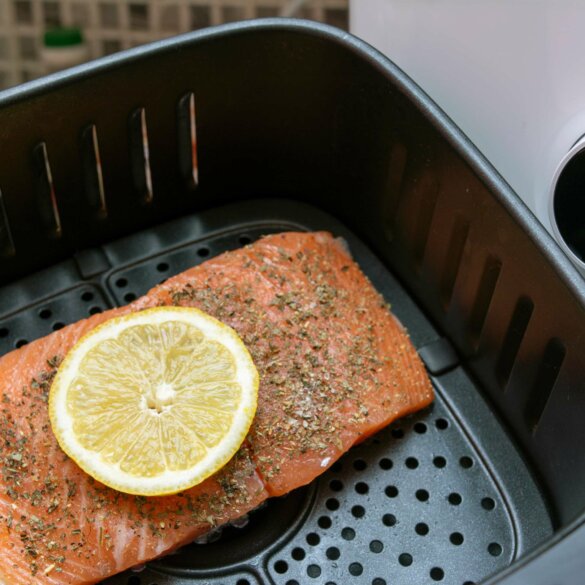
[[113, 25]]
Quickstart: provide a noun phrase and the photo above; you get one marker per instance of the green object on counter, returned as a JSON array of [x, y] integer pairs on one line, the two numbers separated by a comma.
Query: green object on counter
[[63, 37]]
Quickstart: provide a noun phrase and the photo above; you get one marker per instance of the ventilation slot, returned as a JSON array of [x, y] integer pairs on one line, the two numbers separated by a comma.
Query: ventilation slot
[[513, 340], [92, 166], [6, 241], [453, 259], [398, 159], [483, 298], [552, 360], [140, 155], [47, 200], [188, 141], [429, 188]]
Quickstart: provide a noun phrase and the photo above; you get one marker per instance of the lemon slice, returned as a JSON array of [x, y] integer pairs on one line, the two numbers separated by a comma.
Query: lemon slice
[[153, 402]]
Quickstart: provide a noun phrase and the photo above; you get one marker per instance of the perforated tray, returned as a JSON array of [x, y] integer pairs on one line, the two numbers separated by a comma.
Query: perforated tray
[[442, 496]]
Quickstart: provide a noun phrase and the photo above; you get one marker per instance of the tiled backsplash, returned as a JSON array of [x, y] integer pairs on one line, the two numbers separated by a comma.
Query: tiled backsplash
[[113, 25]]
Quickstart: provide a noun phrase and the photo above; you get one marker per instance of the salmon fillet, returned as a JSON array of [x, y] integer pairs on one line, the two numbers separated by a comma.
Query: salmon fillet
[[335, 366]]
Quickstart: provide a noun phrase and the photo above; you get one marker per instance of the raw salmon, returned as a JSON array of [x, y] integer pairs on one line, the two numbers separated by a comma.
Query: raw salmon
[[335, 366]]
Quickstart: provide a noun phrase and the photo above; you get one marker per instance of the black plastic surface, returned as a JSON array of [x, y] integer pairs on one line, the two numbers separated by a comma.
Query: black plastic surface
[[431, 499], [296, 110], [568, 205]]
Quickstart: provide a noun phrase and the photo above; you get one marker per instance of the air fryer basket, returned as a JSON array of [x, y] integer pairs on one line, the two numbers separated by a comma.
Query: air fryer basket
[[120, 173]]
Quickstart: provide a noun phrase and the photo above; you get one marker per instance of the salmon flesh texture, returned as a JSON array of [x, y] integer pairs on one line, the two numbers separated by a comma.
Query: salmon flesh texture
[[335, 366]]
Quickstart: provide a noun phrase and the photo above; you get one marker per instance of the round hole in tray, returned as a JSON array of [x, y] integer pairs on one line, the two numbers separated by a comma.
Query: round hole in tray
[[348, 533], [411, 462], [378, 581], [356, 569], [456, 538], [203, 252], [281, 567], [313, 539], [437, 574], [405, 559], [244, 240], [58, 325], [298, 553], [242, 582], [292, 582], [488, 503], [332, 504], [359, 465], [87, 296], [45, 313], [442, 424], [129, 297], [95, 310], [455, 499], [386, 463], [362, 488], [420, 428], [162, 266], [495, 549], [21, 343], [466, 462], [421, 529], [324, 522], [422, 495], [332, 553], [335, 485], [397, 433], [391, 491], [376, 546], [314, 571], [358, 511], [439, 462], [121, 282], [3, 332], [389, 520]]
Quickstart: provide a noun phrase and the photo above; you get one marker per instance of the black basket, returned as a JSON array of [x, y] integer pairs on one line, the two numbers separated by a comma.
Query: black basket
[[117, 174]]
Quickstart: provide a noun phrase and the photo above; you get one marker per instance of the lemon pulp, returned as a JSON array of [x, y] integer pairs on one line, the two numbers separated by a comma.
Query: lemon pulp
[[154, 402]]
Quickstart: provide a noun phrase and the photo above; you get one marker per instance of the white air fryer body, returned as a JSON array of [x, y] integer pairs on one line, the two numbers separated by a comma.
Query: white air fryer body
[[510, 73]]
